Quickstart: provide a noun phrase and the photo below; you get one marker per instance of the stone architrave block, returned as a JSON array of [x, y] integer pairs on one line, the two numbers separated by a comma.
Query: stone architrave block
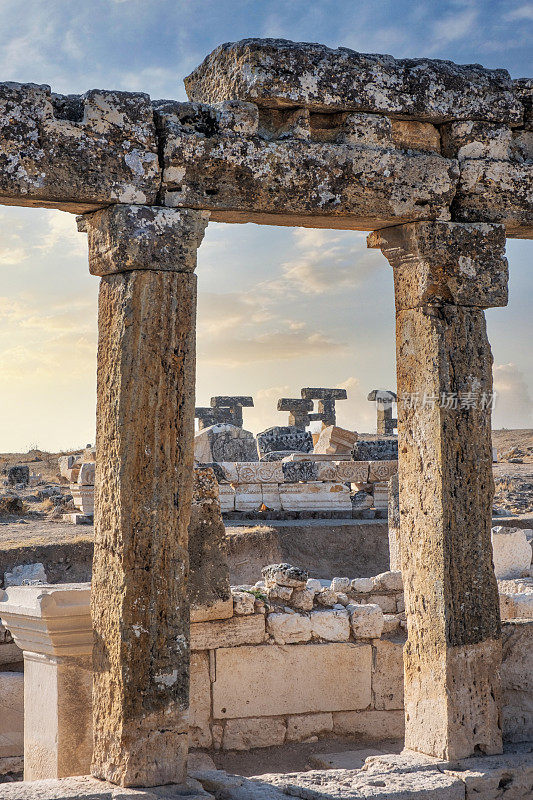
[[278, 73], [279, 670], [248, 497], [380, 471], [295, 471], [86, 474], [352, 471], [228, 472], [259, 472], [511, 552], [76, 152], [376, 450], [228, 633], [271, 496], [315, 495], [387, 674], [226, 497]]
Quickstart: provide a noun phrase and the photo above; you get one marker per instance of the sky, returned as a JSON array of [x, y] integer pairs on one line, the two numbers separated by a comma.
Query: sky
[[279, 308]]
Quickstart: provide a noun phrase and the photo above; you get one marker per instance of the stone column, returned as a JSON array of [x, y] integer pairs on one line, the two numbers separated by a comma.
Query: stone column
[[52, 626], [144, 440], [445, 274]]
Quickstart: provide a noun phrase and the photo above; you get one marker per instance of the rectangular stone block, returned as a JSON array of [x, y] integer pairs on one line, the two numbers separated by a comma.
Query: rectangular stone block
[[279, 73], [11, 714], [268, 680], [246, 734], [226, 497], [83, 498], [315, 495], [248, 497], [373, 724], [200, 700], [387, 674], [228, 633], [259, 472], [379, 471], [76, 152], [517, 681], [271, 496], [86, 474]]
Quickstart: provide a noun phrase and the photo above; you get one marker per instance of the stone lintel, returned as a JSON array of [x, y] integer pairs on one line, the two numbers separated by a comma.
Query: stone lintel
[[125, 237], [224, 401], [281, 73], [446, 262], [323, 394]]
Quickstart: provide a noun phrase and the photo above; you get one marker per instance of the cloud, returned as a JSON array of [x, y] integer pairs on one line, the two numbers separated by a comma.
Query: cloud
[[219, 312], [326, 262], [523, 12], [454, 27], [513, 405]]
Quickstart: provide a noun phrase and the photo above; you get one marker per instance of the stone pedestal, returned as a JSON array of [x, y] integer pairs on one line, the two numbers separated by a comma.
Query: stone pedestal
[[444, 275], [52, 625], [145, 425]]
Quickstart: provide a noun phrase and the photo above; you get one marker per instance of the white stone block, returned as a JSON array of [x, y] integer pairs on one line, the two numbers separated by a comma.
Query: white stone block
[[25, 575], [315, 495], [332, 625], [340, 584], [302, 727], [511, 552], [83, 497], [362, 585], [388, 581], [246, 734], [270, 494], [366, 620], [289, 628], [226, 496], [248, 497], [229, 468], [259, 472], [271, 680], [86, 474], [243, 602]]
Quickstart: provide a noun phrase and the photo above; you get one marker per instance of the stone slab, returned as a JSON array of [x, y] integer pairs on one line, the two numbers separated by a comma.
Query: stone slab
[[279, 671], [228, 633], [349, 759], [87, 788], [278, 73]]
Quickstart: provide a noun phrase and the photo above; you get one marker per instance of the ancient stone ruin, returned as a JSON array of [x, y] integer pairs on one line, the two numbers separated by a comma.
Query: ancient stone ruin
[[435, 160]]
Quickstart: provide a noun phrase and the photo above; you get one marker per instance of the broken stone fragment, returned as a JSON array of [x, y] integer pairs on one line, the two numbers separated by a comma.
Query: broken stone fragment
[[366, 620], [278, 72], [243, 602], [285, 575]]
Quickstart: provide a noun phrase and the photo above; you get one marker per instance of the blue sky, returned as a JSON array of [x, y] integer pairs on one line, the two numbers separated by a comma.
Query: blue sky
[[278, 308]]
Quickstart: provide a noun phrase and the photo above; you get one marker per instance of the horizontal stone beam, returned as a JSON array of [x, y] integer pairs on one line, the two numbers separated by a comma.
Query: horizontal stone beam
[[360, 182], [76, 152], [281, 73], [324, 394], [228, 401]]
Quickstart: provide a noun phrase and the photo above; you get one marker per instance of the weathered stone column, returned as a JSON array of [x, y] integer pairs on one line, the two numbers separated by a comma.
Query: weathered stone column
[[144, 441], [444, 275]]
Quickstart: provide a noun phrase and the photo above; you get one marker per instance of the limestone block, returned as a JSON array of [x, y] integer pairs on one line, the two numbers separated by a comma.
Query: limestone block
[[76, 152], [86, 474], [25, 575], [219, 609], [200, 700], [414, 135], [228, 472], [511, 552], [387, 674], [294, 471], [83, 497], [516, 599], [381, 495], [129, 237], [243, 602], [281, 438], [285, 575], [388, 582], [226, 497], [386, 602], [454, 263], [248, 497], [224, 442], [400, 186], [302, 727], [380, 471], [366, 620], [391, 623], [228, 633], [333, 626], [373, 724], [11, 714], [259, 472], [335, 440], [276, 72], [278, 670], [498, 192], [376, 450], [270, 495], [340, 584], [315, 495], [326, 597], [517, 681], [289, 628], [66, 463], [246, 734], [362, 585], [468, 139]]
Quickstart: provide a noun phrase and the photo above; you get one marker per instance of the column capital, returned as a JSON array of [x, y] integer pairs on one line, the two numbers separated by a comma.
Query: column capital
[[453, 263], [54, 620], [127, 237]]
